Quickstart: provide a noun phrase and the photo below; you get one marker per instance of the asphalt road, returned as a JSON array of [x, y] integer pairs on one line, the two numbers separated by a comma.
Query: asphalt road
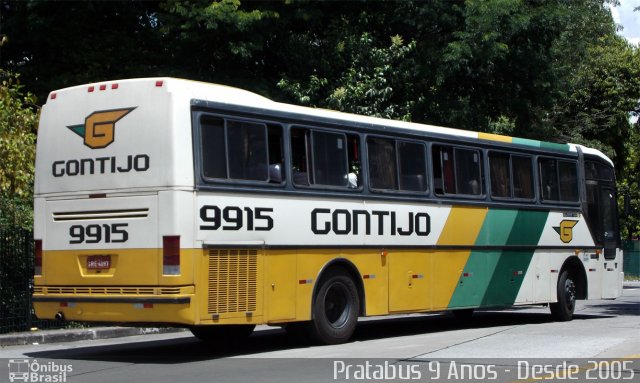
[[522, 345]]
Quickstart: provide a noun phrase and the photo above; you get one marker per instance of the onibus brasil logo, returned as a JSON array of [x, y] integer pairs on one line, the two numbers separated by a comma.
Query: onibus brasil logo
[[31, 371], [98, 130]]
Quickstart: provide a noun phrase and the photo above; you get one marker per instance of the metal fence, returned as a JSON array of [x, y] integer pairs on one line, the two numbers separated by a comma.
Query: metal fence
[[631, 258], [16, 282]]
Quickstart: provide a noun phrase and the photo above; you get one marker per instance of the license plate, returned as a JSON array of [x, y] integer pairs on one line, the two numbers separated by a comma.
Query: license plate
[[99, 262]]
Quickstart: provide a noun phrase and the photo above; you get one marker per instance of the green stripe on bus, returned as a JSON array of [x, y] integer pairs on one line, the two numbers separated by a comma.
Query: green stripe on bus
[[526, 141], [481, 264], [541, 144], [554, 146], [512, 266]]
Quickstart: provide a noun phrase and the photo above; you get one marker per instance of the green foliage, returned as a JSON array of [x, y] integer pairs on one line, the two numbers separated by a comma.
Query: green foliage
[[18, 124], [541, 69], [375, 82]]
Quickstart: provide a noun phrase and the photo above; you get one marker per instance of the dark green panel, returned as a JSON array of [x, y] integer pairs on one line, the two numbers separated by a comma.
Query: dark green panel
[[512, 266], [480, 266]]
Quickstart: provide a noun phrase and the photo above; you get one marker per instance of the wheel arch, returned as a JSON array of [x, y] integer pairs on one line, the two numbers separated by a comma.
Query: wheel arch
[[352, 270], [576, 271]]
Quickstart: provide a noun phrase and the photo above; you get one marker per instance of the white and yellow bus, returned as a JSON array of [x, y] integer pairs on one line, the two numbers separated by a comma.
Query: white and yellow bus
[[175, 202]]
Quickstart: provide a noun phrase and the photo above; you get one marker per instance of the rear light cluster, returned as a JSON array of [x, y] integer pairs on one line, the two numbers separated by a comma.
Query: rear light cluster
[[38, 262], [171, 255]]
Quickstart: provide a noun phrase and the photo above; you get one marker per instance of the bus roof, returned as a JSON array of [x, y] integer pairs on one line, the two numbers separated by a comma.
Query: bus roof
[[234, 96]]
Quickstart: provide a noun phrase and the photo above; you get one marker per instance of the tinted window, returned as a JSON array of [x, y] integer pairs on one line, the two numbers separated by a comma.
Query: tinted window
[[247, 144], [522, 170], [457, 171], [329, 159], [468, 179], [558, 180], [241, 150], [412, 165], [568, 181], [548, 179], [382, 163], [511, 176], [324, 158], [214, 158], [500, 175]]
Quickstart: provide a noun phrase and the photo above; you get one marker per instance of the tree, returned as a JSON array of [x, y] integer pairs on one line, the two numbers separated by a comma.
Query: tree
[[18, 125]]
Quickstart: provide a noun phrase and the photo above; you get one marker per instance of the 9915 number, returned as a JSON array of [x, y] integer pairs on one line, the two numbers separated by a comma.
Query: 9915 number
[[107, 233], [235, 218]]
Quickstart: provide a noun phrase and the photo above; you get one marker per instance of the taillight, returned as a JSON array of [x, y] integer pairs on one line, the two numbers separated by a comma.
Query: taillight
[[171, 255], [38, 251]]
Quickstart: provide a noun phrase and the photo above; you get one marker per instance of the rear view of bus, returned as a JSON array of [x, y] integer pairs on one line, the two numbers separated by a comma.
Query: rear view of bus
[[113, 201]]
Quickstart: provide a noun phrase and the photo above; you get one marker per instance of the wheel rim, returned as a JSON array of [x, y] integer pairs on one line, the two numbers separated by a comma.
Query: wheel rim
[[337, 305], [570, 293]]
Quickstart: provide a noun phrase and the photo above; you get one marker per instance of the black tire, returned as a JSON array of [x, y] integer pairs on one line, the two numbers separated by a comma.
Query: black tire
[[222, 335], [335, 308], [563, 310], [463, 314]]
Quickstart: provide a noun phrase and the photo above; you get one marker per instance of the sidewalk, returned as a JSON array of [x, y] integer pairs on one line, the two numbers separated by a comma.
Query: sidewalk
[[72, 335]]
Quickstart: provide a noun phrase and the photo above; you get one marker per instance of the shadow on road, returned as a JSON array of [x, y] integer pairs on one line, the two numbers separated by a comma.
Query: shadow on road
[[189, 349]]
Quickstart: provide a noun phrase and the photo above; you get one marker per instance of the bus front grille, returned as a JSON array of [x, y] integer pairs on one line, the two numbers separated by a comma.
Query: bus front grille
[[232, 284]]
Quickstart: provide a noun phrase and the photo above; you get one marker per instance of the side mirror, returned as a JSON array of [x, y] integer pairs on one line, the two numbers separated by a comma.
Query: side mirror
[[627, 205]]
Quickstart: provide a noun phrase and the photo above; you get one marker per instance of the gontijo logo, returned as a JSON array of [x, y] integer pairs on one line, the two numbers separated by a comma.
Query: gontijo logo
[[566, 230], [99, 127], [98, 131]]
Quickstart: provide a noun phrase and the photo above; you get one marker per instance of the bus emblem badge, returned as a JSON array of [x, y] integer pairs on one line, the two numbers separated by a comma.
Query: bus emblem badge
[[98, 130], [566, 230]]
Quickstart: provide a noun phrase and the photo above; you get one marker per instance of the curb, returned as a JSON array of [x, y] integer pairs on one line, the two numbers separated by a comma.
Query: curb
[[72, 335]]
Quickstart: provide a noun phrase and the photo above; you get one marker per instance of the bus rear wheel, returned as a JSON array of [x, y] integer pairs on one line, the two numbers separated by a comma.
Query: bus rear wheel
[[223, 334], [335, 308], [563, 309]]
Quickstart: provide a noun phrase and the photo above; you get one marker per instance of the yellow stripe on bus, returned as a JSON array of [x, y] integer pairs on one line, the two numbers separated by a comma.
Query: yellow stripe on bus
[[494, 137], [461, 229]]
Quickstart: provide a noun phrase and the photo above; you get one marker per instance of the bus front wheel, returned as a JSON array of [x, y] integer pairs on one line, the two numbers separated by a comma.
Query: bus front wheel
[[564, 308], [335, 308]]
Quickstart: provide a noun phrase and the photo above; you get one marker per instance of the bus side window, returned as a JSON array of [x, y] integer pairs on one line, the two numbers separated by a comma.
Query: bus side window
[[300, 158], [568, 175], [382, 163], [522, 175], [276, 154], [468, 171], [443, 170], [330, 159], [214, 157], [247, 144], [500, 175], [558, 180], [412, 166], [320, 158], [548, 179]]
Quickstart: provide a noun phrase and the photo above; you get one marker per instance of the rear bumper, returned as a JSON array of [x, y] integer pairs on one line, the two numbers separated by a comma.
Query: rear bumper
[[176, 308]]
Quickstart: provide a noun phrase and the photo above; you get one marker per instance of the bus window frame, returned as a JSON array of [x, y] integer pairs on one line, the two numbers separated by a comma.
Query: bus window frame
[[511, 180], [481, 164], [579, 182], [198, 156], [311, 161], [399, 191]]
